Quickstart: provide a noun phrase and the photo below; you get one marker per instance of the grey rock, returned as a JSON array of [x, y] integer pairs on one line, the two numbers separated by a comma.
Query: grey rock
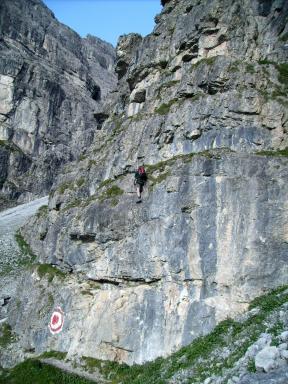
[[52, 82], [139, 97], [284, 336], [279, 376], [210, 233], [194, 134], [183, 253], [126, 47], [284, 354], [267, 359]]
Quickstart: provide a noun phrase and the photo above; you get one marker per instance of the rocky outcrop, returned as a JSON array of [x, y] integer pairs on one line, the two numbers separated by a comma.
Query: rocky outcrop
[[202, 103], [200, 247], [52, 83]]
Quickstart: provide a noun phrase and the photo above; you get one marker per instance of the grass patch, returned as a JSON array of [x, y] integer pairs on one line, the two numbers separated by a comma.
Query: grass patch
[[165, 108], [166, 85], [91, 163], [250, 68], [71, 185], [271, 300], [234, 67], [42, 211], [111, 193], [68, 185], [279, 91], [185, 158], [283, 74], [206, 61], [6, 335], [35, 372], [161, 167], [28, 255], [80, 182], [73, 204], [48, 271], [118, 121], [251, 366], [275, 153], [82, 157], [54, 354], [266, 62], [104, 183]]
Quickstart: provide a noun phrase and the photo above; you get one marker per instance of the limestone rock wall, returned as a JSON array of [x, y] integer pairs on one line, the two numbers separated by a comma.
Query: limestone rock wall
[[52, 84], [208, 238], [201, 101]]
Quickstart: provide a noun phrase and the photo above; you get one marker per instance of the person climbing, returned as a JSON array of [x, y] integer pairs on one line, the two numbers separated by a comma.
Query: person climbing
[[140, 180]]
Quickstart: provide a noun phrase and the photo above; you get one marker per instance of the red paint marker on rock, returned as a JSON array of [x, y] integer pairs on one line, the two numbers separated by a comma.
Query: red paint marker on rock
[[56, 322]]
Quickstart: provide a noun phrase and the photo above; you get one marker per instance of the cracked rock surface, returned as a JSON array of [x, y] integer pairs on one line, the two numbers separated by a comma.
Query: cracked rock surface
[[52, 82], [201, 101]]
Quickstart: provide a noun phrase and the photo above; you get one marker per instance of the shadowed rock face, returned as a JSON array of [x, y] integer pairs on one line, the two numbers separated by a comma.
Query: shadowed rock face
[[52, 82], [202, 103]]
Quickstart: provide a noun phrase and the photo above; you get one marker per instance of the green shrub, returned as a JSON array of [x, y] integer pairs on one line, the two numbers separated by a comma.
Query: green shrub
[[111, 193], [28, 255], [47, 270], [35, 372], [6, 335]]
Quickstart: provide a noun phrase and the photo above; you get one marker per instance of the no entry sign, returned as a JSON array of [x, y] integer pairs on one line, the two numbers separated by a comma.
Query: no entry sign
[[56, 321]]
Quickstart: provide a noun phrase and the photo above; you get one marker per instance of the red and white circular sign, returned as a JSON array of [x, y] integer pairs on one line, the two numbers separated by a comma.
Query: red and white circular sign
[[56, 321]]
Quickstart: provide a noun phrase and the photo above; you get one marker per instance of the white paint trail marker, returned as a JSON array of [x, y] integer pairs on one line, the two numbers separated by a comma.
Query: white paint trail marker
[[56, 321]]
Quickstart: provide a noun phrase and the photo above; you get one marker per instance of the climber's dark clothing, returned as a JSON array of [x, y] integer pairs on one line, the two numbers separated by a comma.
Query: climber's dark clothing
[[140, 179]]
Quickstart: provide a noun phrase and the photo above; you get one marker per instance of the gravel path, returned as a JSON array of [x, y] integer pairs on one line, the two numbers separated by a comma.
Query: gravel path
[[10, 221]]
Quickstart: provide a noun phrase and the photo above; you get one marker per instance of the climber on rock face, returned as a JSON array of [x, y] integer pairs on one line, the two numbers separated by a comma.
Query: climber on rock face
[[140, 180]]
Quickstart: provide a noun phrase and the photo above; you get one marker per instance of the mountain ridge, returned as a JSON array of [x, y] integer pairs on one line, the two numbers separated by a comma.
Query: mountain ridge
[[201, 102]]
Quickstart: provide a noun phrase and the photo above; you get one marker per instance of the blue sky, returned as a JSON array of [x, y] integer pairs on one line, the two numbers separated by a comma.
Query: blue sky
[[107, 19]]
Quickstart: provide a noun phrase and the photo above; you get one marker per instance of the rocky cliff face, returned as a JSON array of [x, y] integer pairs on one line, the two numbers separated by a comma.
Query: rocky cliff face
[[52, 85], [202, 102]]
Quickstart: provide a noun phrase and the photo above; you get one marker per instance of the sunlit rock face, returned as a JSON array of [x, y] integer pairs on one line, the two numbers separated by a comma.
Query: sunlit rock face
[[202, 102], [51, 84]]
